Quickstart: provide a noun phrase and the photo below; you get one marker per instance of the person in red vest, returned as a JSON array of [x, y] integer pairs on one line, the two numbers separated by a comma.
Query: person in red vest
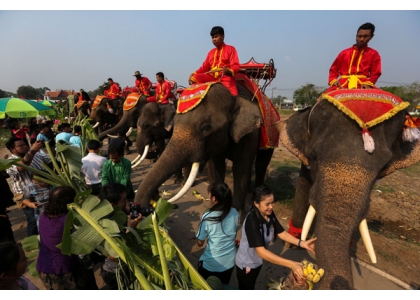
[[142, 83], [358, 66], [164, 96], [221, 63], [112, 91]]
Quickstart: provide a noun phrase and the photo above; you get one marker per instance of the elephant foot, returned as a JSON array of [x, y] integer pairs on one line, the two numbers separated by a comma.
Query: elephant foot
[[179, 180]]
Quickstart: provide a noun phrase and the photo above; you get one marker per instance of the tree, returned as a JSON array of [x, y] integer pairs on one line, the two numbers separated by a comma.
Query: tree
[[409, 93], [307, 94], [278, 100], [3, 94], [27, 92]]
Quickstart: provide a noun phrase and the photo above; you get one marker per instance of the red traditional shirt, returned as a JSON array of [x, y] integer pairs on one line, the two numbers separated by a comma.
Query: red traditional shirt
[[113, 91], [356, 66], [164, 92], [217, 58], [143, 85]]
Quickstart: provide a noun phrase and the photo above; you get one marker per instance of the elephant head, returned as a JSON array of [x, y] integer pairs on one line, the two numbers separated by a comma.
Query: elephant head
[[220, 127], [128, 120], [102, 117], [151, 132], [83, 107], [337, 177]]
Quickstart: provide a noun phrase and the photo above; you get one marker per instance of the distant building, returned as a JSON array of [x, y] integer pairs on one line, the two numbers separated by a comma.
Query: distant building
[[58, 95], [286, 104]]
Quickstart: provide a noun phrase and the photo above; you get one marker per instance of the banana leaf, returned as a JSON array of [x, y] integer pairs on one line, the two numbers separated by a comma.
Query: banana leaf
[[7, 163]]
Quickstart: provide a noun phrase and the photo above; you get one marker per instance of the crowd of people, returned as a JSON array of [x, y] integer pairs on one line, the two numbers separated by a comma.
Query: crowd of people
[[109, 178]]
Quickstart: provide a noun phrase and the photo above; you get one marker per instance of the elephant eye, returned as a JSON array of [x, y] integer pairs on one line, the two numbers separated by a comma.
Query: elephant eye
[[205, 127]]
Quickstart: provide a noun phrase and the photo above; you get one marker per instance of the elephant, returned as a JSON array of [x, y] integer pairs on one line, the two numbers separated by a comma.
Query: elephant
[[336, 179], [128, 119], [83, 107], [221, 127], [101, 117]]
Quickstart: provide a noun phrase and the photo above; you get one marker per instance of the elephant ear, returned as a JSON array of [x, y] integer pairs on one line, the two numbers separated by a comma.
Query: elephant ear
[[294, 134], [246, 118]]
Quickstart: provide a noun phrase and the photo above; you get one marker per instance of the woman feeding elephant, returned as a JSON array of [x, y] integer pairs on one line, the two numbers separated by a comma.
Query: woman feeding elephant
[[260, 227]]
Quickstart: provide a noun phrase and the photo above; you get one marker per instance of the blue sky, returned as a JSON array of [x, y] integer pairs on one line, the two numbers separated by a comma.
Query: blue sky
[[73, 49]]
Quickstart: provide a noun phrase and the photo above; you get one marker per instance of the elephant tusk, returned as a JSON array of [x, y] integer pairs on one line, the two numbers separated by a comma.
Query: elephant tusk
[[310, 215], [364, 232], [129, 131], [146, 150], [96, 125], [136, 159], [188, 184], [112, 136]]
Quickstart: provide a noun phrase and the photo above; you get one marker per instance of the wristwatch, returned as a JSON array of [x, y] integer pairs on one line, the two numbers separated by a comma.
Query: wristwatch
[[33, 151]]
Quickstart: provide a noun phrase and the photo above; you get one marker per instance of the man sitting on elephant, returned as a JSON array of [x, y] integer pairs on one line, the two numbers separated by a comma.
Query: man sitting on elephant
[[143, 84], [164, 97], [112, 91], [221, 63], [358, 66]]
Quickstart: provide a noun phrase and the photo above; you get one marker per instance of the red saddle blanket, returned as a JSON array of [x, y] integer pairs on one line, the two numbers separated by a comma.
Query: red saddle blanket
[[79, 103], [131, 100], [192, 96], [97, 101], [368, 107]]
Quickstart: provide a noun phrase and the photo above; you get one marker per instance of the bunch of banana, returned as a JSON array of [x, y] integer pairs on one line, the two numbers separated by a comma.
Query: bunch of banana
[[312, 273], [198, 196]]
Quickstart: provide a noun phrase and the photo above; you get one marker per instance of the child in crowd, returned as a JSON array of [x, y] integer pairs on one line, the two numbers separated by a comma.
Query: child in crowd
[[115, 194], [66, 134], [92, 165], [42, 135], [76, 139], [118, 168], [20, 131], [35, 196], [218, 226], [13, 263]]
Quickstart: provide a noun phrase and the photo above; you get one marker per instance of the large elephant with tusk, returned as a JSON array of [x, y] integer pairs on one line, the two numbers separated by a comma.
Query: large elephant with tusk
[[340, 164], [219, 127], [102, 116]]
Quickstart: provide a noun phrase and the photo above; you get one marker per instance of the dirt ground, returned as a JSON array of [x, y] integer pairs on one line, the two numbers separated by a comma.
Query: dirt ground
[[394, 219]]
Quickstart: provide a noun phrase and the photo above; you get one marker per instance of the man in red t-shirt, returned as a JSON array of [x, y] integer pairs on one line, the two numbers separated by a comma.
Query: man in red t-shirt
[[358, 66], [164, 97], [142, 83], [221, 63]]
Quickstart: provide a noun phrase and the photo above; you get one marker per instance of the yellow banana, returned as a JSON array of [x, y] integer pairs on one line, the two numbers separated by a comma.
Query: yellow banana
[[311, 269], [318, 275], [198, 196], [310, 285], [153, 203], [310, 277]]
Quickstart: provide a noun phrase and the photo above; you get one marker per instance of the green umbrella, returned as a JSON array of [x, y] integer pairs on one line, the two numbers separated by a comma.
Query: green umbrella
[[22, 108], [47, 103]]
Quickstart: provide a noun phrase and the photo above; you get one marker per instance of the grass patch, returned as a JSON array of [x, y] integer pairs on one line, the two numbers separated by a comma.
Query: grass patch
[[286, 112], [384, 188], [411, 171]]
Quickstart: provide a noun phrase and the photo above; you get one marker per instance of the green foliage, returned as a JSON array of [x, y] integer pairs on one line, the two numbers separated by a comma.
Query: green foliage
[[28, 92], [409, 93], [4, 94], [307, 94]]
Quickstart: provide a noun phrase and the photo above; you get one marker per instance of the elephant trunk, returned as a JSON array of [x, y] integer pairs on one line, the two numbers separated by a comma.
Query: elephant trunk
[[123, 125], [177, 154], [337, 222]]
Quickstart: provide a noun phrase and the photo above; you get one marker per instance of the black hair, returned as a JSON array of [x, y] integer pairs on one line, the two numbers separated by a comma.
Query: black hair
[[65, 125], [367, 26], [42, 126], [217, 30], [112, 192], [94, 145], [10, 144], [110, 79], [60, 127], [77, 128], [121, 133], [261, 192], [58, 200], [223, 195], [160, 74], [116, 146], [9, 257]]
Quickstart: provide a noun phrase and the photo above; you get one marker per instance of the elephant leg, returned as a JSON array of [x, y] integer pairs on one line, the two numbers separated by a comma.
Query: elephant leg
[[301, 202], [178, 177], [261, 164], [216, 168]]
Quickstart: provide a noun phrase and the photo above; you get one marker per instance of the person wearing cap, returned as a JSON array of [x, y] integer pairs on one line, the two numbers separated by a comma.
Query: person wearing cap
[[142, 83], [221, 63]]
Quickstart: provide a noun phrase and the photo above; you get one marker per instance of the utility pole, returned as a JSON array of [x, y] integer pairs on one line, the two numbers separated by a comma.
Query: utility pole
[[272, 93]]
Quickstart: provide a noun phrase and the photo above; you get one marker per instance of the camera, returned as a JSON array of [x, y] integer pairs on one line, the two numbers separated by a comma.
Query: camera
[[135, 210]]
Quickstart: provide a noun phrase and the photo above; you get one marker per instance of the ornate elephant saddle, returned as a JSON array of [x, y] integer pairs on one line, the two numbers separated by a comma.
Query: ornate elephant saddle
[[192, 96], [79, 104], [97, 101], [369, 108], [131, 100]]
